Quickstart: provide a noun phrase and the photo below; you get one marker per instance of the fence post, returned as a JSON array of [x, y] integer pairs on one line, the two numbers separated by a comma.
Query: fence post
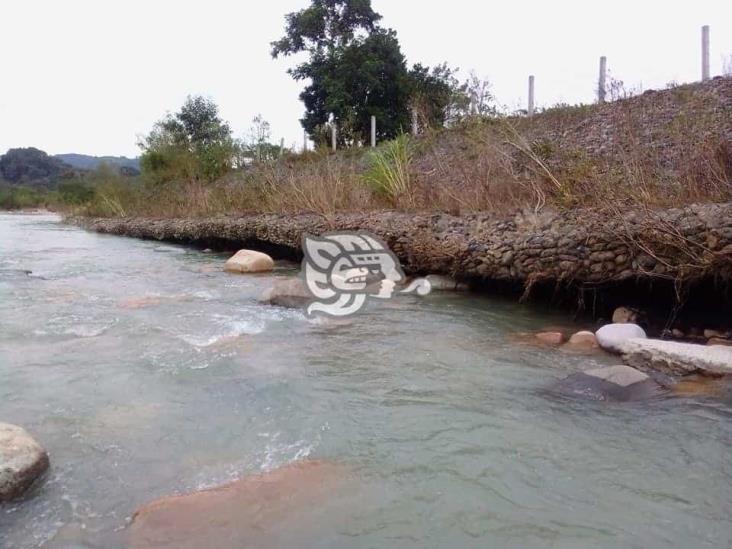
[[304, 141], [373, 131], [415, 122], [705, 52], [282, 147], [333, 135], [601, 80], [530, 109]]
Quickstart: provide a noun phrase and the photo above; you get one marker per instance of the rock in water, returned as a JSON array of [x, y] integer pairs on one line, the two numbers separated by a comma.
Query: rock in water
[[613, 337], [676, 358], [287, 292], [251, 512], [550, 338], [445, 283], [22, 460], [583, 340], [249, 261], [620, 383]]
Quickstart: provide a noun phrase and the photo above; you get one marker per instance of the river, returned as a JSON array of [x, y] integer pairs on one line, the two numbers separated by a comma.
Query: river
[[146, 371]]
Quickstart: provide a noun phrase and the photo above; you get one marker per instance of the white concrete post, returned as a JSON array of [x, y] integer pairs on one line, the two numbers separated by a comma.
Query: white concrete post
[[282, 147], [415, 122], [373, 131], [601, 80], [705, 52], [333, 135], [304, 141], [530, 109]]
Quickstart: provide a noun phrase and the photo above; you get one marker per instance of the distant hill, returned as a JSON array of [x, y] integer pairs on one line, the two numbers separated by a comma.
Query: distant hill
[[33, 167], [87, 162]]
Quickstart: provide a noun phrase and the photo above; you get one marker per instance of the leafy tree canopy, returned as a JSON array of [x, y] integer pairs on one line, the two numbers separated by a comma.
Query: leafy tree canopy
[[325, 24], [355, 70]]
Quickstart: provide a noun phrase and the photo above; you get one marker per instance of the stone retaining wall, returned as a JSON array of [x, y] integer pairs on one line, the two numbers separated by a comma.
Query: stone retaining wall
[[579, 246]]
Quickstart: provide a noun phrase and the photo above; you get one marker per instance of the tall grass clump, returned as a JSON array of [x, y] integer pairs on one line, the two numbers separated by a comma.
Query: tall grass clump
[[388, 171]]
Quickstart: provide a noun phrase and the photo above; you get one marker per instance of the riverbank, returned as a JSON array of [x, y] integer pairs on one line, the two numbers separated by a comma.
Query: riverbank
[[675, 261]]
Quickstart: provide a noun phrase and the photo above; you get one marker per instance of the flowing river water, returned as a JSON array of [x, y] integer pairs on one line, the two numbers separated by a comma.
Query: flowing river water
[[147, 371]]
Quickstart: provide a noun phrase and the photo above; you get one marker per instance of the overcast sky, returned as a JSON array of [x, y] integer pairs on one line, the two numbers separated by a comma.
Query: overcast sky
[[91, 76]]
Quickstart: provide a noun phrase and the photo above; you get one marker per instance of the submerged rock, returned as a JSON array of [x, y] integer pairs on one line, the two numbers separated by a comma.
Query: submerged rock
[[22, 461], [551, 338], [247, 513], [613, 337], [445, 283], [249, 261], [619, 383], [676, 358], [287, 292], [696, 385]]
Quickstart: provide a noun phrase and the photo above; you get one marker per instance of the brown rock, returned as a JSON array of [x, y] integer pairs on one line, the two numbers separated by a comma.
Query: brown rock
[[583, 340], [719, 341], [250, 512], [624, 315]]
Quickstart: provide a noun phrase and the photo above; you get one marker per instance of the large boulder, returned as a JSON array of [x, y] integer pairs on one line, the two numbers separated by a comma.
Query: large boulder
[[22, 461], [674, 358], [287, 292], [252, 512], [619, 383], [249, 261], [613, 337]]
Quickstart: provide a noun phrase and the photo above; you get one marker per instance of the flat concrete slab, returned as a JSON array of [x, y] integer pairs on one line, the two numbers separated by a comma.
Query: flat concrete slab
[[677, 358]]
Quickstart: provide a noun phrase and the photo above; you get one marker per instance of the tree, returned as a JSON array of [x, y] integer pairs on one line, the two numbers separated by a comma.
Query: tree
[[367, 78], [355, 69], [436, 94], [193, 144]]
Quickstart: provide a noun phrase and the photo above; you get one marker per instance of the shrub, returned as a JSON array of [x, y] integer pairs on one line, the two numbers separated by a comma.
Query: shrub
[[388, 171]]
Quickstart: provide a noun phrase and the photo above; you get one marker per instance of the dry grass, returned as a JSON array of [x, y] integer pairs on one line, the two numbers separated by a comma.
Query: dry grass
[[651, 151]]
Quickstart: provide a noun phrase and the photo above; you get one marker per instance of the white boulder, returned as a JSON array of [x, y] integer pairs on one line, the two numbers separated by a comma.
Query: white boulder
[[613, 337], [249, 261]]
